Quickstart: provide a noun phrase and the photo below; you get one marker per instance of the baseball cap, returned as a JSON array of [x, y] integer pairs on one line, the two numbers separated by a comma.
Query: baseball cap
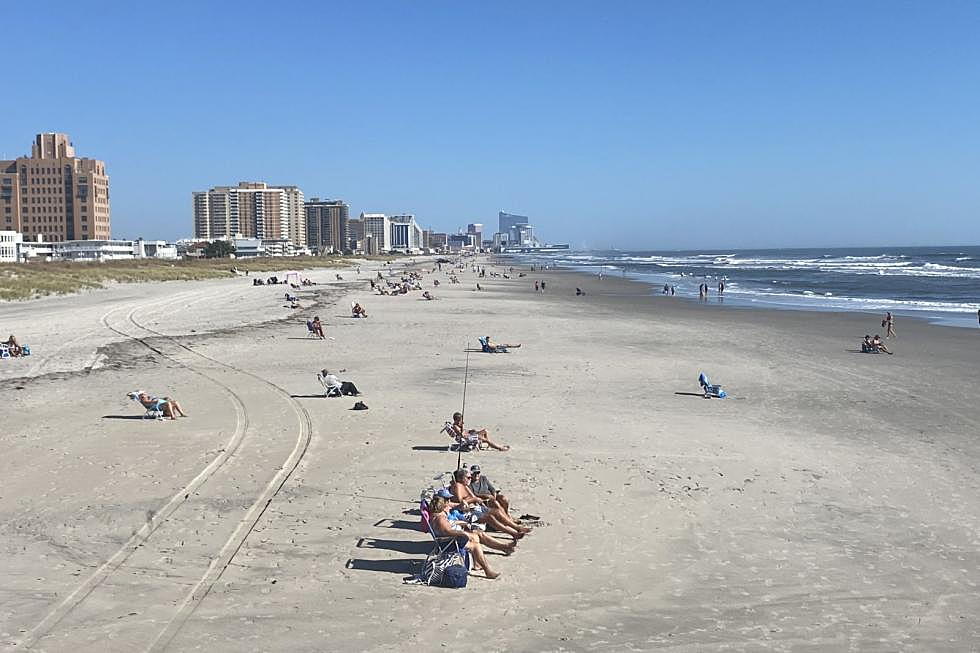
[[474, 468], [444, 493]]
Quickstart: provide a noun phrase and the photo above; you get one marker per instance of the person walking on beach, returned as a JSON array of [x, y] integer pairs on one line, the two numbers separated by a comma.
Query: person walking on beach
[[537, 286], [721, 287], [542, 286], [889, 324]]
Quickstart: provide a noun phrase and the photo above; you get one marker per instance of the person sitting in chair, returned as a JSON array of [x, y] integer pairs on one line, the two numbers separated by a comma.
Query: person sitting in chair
[[317, 327], [487, 512], [867, 347], [481, 486], [335, 387], [167, 405], [493, 346], [357, 310], [443, 526], [457, 430], [15, 348]]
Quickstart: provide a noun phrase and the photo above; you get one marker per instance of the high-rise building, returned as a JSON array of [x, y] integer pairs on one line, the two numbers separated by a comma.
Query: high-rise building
[[253, 209], [477, 230], [355, 232], [377, 228], [54, 194], [406, 235], [508, 221], [327, 225]]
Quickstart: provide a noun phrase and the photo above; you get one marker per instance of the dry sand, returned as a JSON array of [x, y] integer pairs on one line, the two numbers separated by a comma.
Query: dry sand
[[831, 503]]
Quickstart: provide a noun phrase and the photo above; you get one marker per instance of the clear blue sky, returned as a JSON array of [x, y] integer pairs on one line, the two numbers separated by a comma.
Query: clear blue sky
[[633, 124]]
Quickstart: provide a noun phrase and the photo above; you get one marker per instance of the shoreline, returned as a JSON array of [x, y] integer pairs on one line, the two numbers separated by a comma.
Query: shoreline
[[936, 320]]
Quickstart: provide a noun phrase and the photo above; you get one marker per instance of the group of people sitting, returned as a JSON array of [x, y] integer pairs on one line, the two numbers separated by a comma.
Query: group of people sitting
[[874, 345], [468, 506]]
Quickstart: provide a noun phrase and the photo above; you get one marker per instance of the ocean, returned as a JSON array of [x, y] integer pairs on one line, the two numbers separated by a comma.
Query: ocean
[[940, 284]]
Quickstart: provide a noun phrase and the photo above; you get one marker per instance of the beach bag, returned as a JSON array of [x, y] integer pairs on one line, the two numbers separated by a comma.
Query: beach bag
[[434, 572], [360, 405], [349, 389], [455, 577]]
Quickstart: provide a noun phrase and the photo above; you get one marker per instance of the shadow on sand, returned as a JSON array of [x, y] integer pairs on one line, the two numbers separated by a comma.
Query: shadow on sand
[[124, 417], [402, 566]]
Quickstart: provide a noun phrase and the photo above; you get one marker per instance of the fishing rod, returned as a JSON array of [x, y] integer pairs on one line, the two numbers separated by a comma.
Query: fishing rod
[[462, 412]]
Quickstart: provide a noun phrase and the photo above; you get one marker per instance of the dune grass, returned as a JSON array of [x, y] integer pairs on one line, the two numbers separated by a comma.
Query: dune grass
[[20, 281]]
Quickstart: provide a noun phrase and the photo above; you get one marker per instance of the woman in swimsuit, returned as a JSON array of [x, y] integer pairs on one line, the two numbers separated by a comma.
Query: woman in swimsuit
[[443, 526]]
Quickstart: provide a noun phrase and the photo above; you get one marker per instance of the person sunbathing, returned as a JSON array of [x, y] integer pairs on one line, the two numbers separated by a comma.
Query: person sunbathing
[[481, 436], [867, 347], [443, 526], [878, 345], [495, 345], [427, 295], [317, 327], [487, 512], [357, 310], [481, 486], [14, 347], [167, 405]]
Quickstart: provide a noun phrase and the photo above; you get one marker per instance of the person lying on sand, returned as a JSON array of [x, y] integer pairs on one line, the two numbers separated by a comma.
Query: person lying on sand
[[494, 345], [167, 405], [458, 431], [487, 512], [443, 526], [428, 295]]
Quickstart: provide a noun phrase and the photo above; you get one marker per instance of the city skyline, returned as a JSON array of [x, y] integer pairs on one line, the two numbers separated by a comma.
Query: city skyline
[[687, 126]]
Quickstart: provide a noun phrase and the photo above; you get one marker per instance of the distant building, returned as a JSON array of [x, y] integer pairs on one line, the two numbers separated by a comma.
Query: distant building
[[10, 245], [406, 235], [377, 228], [97, 251], [355, 234], [476, 229], [253, 247], [438, 240], [253, 209], [458, 242], [327, 225], [508, 221], [55, 194]]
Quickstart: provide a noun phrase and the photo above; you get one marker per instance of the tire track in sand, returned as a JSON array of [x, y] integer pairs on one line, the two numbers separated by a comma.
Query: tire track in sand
[[141, 536]]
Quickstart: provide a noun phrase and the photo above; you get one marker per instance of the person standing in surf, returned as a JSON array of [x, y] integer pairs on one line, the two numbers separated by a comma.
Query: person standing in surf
[[889, 324]]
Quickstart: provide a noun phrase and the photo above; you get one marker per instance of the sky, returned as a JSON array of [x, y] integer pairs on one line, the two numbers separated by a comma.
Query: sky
[[635, 125]]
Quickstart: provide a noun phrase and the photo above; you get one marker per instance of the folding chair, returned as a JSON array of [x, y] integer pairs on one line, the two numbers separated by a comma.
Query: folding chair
[[709, 389]]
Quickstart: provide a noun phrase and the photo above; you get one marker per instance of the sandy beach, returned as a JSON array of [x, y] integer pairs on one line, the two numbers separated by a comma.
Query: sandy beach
[[830, 503]]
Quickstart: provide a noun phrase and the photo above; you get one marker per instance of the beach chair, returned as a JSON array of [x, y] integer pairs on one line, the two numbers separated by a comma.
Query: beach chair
[[487, 349], [310, 331], [328, 390], [709, 389], [464, 442], [4, 351], [445, 552]]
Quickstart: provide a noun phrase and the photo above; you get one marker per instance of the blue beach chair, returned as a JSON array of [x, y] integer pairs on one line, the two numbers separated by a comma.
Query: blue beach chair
[[709, 389]]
